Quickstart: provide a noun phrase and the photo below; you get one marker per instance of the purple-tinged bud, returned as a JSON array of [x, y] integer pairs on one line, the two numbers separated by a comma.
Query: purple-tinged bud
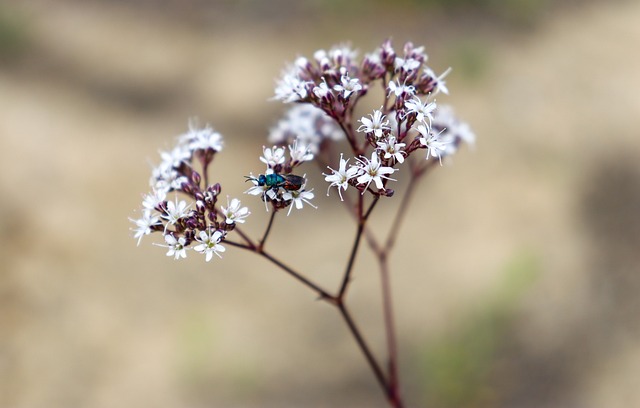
[[191, 223], [162, 206], [195, 177], [214, 189], [200, 206], [227, 227], [389, 192], [387, 54], [187, 188]]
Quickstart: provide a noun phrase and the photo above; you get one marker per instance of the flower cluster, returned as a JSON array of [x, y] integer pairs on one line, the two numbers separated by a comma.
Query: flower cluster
[[278, 185], [309, 125], [408, 120], [199, 220]]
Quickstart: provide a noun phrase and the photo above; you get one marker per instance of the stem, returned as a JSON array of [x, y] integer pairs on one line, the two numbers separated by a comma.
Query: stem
[[400, 214], [392, 348], [250, 244], [375, 367], [266, 232], [356, 244], [205, 174], [323, 294]]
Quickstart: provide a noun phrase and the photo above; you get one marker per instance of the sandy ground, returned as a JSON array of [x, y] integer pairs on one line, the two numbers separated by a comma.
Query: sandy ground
[[528, 240]]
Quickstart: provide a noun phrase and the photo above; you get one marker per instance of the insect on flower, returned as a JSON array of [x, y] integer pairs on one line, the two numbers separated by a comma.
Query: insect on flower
[[289, 182]]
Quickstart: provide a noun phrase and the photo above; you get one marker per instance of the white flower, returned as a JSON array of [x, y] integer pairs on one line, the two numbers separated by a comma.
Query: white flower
[[175, 211], [233, 212], [308, 124], [206, 139], [162, 177], [265, 191], [373, 171], [322, 90], [144, 224], [201, 138], [175, 157], [348, 86], [392, 149], [400, 89], [209, 244], [321, 57], [375, 125], [436, 147], [406, 65], [340, 178], [423, 110], [441, 85], [290, 88], [300, 152], [342, 53], [152, 200], [176, 247], [446, 120], [299, 197], [272, 157]]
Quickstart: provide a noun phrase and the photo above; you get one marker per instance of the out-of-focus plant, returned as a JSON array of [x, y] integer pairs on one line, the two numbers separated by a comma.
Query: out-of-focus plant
[[407, 136]]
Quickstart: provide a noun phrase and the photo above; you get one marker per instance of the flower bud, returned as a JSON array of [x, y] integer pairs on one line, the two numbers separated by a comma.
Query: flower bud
[[195, 177]]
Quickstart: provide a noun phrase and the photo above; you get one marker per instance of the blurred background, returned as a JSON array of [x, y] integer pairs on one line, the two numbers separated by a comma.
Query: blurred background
[[516, 279]]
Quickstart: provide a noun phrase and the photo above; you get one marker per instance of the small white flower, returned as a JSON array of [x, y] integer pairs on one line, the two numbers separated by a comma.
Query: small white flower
[[153, 199], [162, 176], [299, 197], [201, 138], [233, 212], [340, 178], [375, 125], [436, 147], [206, 139], [175, 211], [308, 124], [300, 152], [392, 149], [209, 244], [321, 57], [406, 65], [342, 54], [290, 88], [144, 224], [399, 89], [348, 86], [272, 157], [322, 90], [423, 110], [176, 247], [175, 157], [441, 85], [374, 171], [265, 191], [446, 120]]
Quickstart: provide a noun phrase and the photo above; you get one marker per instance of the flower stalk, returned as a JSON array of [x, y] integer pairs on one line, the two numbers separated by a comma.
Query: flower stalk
[[184, 207]]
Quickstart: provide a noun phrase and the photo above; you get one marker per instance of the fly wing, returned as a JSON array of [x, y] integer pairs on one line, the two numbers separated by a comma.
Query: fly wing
[[293, 182]]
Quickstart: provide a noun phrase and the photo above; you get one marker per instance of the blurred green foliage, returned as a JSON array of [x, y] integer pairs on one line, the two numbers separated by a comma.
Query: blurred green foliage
[[516, 12], [458, 366], [14, 34], [470, 59]]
